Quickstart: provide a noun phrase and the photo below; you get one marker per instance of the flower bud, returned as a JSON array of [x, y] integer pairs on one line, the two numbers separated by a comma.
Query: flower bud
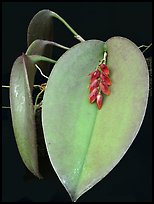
[[104, 69], [93, 85], [94, 75], [93, 95], [99, 101], [104, 88], [105, 79]]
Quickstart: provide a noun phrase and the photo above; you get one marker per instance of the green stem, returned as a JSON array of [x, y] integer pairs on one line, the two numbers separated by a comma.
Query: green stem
[[46, 42], [37, 58], [76, 35]]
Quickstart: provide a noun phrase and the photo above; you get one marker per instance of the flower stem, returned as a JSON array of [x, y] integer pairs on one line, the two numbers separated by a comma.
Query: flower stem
[[104, 59], [76, 35]]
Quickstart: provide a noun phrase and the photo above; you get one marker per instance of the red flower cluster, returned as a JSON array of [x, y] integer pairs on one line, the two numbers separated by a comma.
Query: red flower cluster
[[99, 82]]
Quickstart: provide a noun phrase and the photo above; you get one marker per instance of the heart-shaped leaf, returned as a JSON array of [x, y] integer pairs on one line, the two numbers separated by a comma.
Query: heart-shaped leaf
[[21, 86], [41, 27], [84, 144]]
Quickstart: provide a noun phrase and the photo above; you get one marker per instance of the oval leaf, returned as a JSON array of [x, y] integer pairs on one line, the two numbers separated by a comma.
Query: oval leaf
[[21, 86], [41, 27], [84, 144]]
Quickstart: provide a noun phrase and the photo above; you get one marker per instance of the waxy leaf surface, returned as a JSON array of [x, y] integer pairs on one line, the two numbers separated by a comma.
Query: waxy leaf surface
[[84, 144], [21, 86], [41, 28]]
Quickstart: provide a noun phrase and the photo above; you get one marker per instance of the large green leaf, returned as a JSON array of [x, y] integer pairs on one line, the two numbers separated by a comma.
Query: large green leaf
[[21, 86], [41, 27], [84, 144]]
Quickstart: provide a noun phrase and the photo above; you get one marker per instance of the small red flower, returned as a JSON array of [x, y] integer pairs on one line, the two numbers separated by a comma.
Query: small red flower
[[93, 95], [104, 69], [93, 85], [99, 101], [105, 79], [94, 75], [104, 88], [99, 83]]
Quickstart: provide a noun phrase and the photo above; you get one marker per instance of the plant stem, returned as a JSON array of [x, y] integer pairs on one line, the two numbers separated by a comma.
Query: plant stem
[[34, 43], [37, 58], [104, 59], [76, 35]]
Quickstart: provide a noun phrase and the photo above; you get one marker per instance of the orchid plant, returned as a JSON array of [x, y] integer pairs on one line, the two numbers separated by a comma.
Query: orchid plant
[[84, 140]]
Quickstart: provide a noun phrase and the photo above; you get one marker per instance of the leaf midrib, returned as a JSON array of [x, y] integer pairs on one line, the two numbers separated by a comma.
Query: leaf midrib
[[86, 153]]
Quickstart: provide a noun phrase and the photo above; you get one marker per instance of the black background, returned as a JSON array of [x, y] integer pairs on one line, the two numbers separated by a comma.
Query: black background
[[130, 180]]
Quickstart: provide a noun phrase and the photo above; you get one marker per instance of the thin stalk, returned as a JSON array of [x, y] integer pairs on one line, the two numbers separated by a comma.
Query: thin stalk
[[41, 71], [6, 107], [35, 86], [76, 35], [147, 47], [37, 97], [4, 86], [37, 58], [104, 59], [34, 43]]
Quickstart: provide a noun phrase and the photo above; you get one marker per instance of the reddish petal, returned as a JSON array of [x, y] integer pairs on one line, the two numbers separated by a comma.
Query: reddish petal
[[93, 95], [94, 75], [104, 69], [105, 79], [99, 101], [93, 85], [104, 88]]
